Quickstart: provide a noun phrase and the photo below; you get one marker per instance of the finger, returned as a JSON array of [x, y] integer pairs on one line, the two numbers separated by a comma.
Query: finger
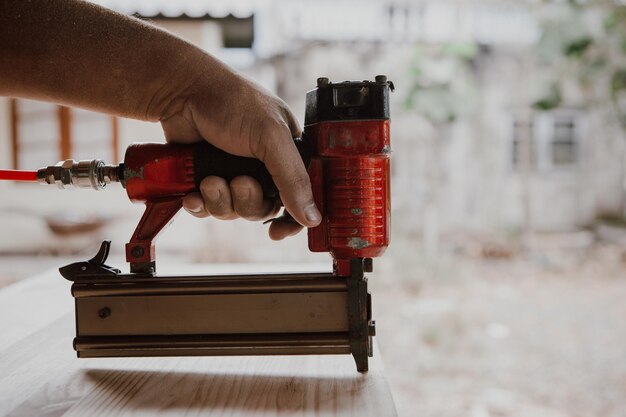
[[280, 156], [194, 204], [248, 201], [280, 229], [217, 199]]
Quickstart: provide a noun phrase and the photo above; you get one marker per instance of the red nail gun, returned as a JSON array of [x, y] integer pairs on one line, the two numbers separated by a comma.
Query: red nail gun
[[346, 146]]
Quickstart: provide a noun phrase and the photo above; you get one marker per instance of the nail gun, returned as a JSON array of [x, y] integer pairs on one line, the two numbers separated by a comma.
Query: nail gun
[[346, 146]]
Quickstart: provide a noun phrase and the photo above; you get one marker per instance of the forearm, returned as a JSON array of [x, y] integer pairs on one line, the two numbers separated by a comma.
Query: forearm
[[80, 54]]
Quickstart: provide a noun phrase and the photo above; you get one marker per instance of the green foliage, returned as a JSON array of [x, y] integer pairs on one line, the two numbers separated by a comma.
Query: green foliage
[[618, 81], [578, 47], [441, 81], [618, 94], [551, 101], [584, 42], [610, 22], [615, 18], [462, 50]]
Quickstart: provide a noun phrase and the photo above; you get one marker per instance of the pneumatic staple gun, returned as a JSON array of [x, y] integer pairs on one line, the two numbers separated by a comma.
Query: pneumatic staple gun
[[346, 146]]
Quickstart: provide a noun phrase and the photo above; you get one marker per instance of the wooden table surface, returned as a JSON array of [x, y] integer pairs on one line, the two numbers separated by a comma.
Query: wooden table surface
[[41, 376]]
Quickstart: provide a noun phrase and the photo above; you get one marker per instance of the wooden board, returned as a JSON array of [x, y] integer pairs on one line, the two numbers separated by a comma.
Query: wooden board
[[41, 376]]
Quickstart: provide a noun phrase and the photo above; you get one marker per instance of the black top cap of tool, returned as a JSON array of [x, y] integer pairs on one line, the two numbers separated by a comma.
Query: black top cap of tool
[[348, 100]]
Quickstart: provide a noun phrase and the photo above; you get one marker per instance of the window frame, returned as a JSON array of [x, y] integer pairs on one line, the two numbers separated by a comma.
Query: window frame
[[543, 139]]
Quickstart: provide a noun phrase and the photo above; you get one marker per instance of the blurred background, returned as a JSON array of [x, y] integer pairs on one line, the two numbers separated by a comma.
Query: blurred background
[[503, 291]]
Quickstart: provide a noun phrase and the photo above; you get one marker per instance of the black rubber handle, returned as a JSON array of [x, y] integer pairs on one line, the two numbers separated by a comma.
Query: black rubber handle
[[212, 161]]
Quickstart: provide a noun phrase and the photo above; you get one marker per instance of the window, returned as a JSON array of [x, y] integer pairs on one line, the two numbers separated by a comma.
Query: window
[[237, 33], [520, 130], [554, 139], [209, 32], [564, 142]]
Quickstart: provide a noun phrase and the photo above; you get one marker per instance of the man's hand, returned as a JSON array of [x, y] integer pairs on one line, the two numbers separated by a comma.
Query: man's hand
[[243, 119], [97, 59]]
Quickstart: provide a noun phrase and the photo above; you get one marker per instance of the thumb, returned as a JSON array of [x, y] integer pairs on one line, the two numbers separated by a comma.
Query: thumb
[[285, 164], [180, 130]]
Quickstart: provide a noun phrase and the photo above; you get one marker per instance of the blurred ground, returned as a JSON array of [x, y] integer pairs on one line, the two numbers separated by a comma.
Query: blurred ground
[[488, 333], [482, 337]]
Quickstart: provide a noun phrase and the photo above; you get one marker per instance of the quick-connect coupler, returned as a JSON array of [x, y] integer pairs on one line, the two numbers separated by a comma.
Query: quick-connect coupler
[[93, 174]]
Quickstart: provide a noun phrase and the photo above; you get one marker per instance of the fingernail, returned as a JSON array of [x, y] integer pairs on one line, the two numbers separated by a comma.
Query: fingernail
[[312, 214], [196, 207]]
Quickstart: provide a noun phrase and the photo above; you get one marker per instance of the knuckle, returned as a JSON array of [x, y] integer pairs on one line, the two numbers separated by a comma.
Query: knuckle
[[276, 127], [271, 136], [247, 212], [248, 209], [216, 196], [242, 182], [259, 146], [220, 208], [253, 209], [212, 183], [194, 205]]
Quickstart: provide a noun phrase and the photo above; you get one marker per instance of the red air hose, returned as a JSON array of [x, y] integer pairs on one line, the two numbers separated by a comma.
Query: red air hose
[[14, 175]]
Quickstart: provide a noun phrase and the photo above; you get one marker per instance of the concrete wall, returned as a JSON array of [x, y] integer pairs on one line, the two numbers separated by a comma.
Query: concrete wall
[[464, 174]]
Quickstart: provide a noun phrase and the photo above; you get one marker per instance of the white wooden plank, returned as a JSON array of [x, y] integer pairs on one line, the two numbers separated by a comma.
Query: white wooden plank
[[40, 376], [29, 305]]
